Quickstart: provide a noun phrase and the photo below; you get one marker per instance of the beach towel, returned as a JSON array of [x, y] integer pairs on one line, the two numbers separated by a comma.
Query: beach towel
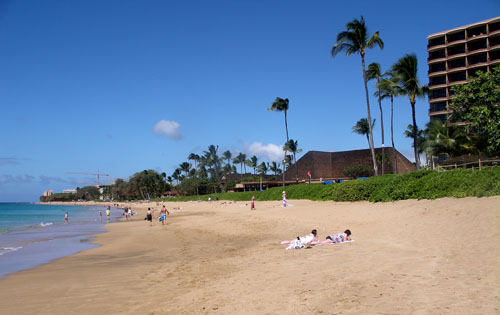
[[328, 242]]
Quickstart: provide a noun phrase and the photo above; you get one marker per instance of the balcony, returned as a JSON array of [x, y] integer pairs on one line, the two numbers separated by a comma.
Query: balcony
[[477, 31], [436, 42]]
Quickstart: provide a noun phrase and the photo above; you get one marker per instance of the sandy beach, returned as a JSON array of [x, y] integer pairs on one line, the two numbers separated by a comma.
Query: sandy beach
[[409, 257]]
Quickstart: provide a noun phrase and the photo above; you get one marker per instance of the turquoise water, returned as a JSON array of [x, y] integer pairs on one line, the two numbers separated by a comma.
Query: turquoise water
[[32, 234]]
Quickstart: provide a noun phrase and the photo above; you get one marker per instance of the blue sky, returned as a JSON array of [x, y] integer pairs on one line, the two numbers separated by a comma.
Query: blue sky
[[84, 83]]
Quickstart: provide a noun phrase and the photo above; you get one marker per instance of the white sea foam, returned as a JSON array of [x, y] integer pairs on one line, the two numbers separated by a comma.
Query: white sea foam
[[45, 224], [5, 250]]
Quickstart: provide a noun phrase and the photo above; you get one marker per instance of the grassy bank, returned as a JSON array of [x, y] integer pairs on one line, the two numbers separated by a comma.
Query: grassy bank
[[424, 184]]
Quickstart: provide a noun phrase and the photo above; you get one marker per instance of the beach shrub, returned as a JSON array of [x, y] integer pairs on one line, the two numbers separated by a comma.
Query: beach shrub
[[422, 184], [359, 170]]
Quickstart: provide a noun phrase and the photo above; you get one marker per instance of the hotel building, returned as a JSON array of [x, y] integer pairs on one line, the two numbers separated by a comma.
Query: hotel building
[[454, 58]]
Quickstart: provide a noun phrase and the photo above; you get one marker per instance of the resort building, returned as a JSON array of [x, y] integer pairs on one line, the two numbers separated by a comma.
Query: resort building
[[47, 193], [455, 56], [329, 167], [324, 166]]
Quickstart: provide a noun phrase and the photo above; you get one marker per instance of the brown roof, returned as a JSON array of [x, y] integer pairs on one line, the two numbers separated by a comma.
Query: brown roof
[[332, 164]]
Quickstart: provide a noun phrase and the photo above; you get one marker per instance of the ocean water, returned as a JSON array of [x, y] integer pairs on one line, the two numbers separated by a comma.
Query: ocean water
[[32, 234]]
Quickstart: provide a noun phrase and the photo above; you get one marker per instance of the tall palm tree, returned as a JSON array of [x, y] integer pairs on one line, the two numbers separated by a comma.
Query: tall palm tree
[[281, 105], [355, 40], [374, 73], [253, 162], [275, 167], [406, 70], [240, 159], [195, 158], [363, 128], [388, 89], [185, 167], [227, 156], [410, 133], [262, 168], [293, 147]]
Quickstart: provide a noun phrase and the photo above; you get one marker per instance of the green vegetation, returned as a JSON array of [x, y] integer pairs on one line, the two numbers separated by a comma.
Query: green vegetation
[[358, 170], [422, 184], [477, 102]]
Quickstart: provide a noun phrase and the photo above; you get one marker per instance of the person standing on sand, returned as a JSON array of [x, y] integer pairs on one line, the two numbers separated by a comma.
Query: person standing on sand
[[163, 215], [252, 205], [66, 217], [284, 198], [149, 217], [108, 213]]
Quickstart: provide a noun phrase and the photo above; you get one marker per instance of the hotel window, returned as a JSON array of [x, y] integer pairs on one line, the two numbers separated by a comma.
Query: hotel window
[[437, 80], [456, 36], [457, 76], [478, 58], [437, 93], [437, 54], [436, 41], [438, 106], [477, 44], [456, 63], [457, 49], [476, 31], [494, 27], [494, 41], [494, 55], [436, 67]]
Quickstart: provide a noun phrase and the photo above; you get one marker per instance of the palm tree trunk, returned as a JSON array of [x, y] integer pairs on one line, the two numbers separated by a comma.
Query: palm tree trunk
[[286, 129], [415, 147], [375, 168], [296, 169], [395, 163], [381, 126]]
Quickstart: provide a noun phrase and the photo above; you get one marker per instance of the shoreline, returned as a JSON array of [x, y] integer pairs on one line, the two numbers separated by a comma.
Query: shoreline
[[409, 256]]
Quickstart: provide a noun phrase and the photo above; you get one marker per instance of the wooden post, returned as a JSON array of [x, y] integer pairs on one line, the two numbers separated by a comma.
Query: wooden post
[[456, 165], [480, 164]]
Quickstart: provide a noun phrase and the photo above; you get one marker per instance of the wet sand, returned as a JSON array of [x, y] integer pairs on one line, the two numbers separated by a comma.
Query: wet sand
[[409, 257]]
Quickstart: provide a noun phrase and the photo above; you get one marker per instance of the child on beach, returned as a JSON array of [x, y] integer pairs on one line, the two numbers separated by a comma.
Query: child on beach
[[338, 238], [302, 241], [149, 217], [252, 205], [108, 213], [284, 198]]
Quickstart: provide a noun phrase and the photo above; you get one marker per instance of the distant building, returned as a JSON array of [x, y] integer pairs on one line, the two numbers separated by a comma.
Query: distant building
[[48, 193], [69, 191], [455, 56], [331, 165]]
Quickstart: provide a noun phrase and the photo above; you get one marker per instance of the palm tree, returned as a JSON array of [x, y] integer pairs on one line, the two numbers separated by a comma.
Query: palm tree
[[177, 175], [281, 105], [374, 72], [275, 167], [262, 168], [388, 89], [185, 167], [363, 128], [240, 159], [355, 40], [406, 71], [227, 156], [292, 146], [410, 132], [195, 158], [252, 162]]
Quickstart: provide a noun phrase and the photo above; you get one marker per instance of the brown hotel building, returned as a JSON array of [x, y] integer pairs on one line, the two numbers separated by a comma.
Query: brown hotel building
[[455, 56]]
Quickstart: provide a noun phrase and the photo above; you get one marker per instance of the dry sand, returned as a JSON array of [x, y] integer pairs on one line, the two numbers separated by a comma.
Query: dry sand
[[409, 257]]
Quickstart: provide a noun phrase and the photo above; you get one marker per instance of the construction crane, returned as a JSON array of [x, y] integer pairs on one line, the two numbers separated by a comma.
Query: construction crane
[[94, 174]]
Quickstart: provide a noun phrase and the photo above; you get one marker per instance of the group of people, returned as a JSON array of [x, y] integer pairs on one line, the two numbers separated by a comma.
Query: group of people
[[311, 239], [161, 218]]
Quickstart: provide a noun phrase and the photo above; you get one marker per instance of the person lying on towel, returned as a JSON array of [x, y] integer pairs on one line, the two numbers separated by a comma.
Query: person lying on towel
[[302, 241]]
